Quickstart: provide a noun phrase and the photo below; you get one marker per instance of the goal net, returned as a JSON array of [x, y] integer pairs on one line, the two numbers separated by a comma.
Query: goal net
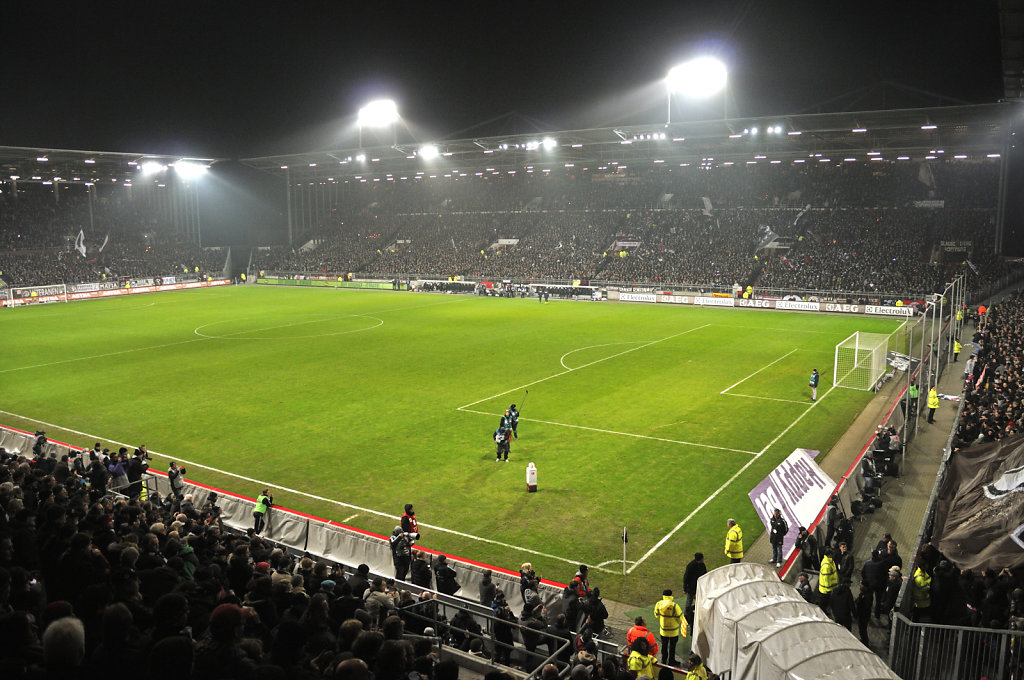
[[860, 360]]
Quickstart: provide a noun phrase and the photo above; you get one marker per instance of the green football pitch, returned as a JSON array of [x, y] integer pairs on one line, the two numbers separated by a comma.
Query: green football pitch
[[656, 418]]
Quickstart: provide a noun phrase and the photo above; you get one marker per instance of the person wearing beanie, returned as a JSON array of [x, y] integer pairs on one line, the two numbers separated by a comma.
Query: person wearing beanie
[[694, 570], [670, 620], [445, 577], [409, 524]]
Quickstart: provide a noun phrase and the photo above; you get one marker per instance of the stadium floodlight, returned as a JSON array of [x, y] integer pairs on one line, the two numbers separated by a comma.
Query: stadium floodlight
[[42, 159], [753, 130], [361, 157], [549, 143], [378, 113], [189, 169], [89, 161], [700, 77], [428, 152], [152, 167]]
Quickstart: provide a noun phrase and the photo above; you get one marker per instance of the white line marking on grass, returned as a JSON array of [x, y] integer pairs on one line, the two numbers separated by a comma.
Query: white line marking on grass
[[261, 483], [786, 330], [678, 422], [231, 336], [580, 349], [757, 371], [604, 564], [729, 481], [349, 518], [624, 434], [100, 356], [755, 396], [569, 370]]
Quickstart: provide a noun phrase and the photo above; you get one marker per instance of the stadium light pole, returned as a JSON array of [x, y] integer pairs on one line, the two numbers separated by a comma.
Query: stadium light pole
[[698, 78]]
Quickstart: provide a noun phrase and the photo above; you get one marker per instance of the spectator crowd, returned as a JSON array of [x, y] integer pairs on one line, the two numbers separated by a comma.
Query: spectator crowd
[[877, 229], [866, 230]]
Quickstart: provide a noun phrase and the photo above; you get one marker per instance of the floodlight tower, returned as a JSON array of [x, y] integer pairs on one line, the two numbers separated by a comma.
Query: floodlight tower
[[377, 114], [698, 78]]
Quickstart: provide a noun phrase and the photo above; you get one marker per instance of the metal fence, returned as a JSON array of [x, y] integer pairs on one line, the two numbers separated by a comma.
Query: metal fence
[[925, 651]]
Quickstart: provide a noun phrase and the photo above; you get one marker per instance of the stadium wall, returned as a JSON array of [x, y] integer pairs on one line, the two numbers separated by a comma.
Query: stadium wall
[[328, 283], [787, 305]]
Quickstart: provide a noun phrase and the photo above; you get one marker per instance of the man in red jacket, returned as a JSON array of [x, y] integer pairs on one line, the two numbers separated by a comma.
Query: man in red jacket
[[639, 630], [409, 525]]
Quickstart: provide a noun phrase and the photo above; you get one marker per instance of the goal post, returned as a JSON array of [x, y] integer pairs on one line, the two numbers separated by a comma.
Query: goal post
[[860, 360]]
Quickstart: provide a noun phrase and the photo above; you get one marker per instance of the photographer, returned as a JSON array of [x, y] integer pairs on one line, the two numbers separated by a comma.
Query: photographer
[[401, 552], [503, 630], [37, 447], [176, 477], [264, 502]]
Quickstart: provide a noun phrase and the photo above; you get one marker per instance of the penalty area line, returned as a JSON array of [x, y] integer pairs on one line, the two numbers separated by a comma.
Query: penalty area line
[[262, 483], [623, 434], [685, 520], [755, 396], [465, 407], [757, 371]]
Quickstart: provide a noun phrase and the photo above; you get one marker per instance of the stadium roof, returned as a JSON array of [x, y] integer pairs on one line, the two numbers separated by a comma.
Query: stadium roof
[[42, 165], [970, 131], [1012, 35]]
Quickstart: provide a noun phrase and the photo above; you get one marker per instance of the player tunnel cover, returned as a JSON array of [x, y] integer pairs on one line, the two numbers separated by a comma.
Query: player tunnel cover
[[979, 516]]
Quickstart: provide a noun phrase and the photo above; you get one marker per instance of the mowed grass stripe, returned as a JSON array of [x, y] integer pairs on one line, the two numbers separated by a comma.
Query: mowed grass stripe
[[371, 417]]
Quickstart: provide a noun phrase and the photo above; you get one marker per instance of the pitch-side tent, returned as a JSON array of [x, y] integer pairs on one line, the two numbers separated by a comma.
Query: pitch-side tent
[[755, 627]]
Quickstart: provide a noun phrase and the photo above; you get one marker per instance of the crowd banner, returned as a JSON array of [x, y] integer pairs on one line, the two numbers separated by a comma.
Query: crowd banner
[[104, 290], [799, 488], [979, 515]]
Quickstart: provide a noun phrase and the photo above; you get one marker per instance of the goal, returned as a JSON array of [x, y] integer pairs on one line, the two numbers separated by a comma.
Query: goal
[[860, 360]]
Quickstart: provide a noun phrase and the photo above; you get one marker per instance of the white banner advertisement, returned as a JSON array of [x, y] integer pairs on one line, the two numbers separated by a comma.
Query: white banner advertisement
[[714, 301], [798, 305], [637, 297], [799, 488], [889, 311]]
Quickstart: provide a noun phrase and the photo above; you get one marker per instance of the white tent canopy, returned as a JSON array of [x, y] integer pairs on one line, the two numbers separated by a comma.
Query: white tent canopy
[[755, 627]]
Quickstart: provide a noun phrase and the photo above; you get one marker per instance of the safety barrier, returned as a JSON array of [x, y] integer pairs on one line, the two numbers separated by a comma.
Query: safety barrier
[[304, 533], [926, 651]]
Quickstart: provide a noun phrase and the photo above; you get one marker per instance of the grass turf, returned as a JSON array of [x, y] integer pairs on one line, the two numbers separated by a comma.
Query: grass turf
[[375, 399]]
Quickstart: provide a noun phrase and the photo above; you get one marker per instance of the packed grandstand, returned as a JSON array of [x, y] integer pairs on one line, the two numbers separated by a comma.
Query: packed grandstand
[[158, 584], [897, 230]]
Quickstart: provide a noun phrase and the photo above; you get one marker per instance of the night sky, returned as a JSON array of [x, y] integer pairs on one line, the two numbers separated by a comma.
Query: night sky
[[229, 79]]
